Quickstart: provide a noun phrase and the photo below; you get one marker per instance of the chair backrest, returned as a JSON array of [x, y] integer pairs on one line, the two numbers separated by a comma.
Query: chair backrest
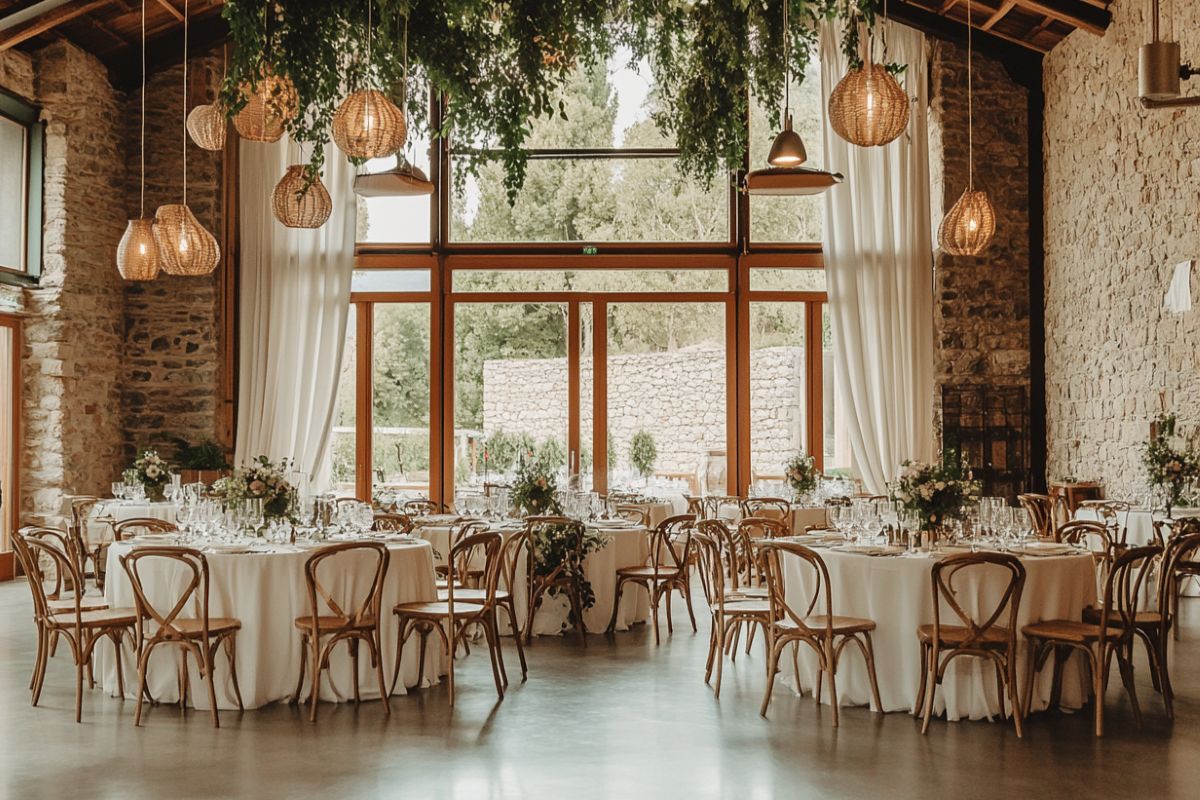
[[361, 605], [695, 505], [1077, 532], [1122, 591], [422, 507], [142, 526], [712, 566], [725, 540], [775, 508], [775, 553], [671, 542], [36, 547], [943, 576], [1181, 548], [1109, 513], [634, 514], [397, 523], [1039, 508], [193, 589], [81, 510], [45, 569], [763, 528], [713, 504], [467, 551]]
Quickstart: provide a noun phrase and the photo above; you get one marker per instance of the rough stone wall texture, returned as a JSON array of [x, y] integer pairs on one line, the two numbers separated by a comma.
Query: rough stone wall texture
[[981, 308], [171, 357], [678, 397], [1121, 187]]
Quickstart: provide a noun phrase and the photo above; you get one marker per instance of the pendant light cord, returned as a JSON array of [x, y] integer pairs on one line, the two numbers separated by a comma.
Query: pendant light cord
[[142, 212], [787, 65], [970, 111], [185, 88]]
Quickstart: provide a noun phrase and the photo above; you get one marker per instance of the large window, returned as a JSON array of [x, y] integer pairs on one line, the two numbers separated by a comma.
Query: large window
[[21, 198], [614, 299]]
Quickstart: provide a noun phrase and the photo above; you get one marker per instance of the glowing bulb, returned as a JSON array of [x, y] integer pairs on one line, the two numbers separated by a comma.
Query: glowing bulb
[[183, 244], [141, 248], [973, 224]]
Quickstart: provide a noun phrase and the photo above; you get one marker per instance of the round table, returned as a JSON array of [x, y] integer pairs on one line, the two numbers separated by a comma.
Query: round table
[[800, 518], [266, 590], [895, 592], [625, 547], [1137, 522], [107, 512]]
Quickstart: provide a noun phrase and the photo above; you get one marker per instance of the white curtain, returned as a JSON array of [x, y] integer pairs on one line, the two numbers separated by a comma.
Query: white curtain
[[295, 301], [879, 267]]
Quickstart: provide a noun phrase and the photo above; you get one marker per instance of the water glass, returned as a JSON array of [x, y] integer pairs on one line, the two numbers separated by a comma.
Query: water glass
[[118, 490]]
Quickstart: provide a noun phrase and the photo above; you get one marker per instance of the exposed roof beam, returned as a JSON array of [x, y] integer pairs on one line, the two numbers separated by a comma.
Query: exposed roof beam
[[26, 10], [63, 12], [1004, 8], [947, 5], [205, 33], [1078, 13], [175, 12]]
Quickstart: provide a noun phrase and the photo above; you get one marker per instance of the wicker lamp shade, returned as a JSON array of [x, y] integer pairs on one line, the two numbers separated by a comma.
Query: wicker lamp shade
[[270, 106], [868, 108], [206, 126], [368, 125], [969, 226], [298, 206], [137, 254], [184, 246]]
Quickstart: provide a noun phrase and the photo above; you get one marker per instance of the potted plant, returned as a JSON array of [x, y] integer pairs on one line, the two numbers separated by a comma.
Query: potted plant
[[200, 463], [643, 453]]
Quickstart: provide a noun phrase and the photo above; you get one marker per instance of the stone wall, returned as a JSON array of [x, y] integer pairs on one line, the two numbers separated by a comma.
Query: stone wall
[[678, 397], [1121, 188]]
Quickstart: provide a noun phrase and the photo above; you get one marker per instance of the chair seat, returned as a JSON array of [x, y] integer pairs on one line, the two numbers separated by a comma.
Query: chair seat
[[841, 625], [334, 623], [956, 635], [746, 592], [436, 610], [746, 605], [1064, 630], [67, 606], [471, 595], [1142, 619], [194, 628], [99, 618], [648, 572]]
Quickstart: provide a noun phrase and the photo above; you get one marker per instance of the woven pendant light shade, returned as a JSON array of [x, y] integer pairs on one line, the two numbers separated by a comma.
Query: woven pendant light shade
[[184, 246], [968, 228], [867, 107], [206, 126], [368, 125], [297, 206], [137, 254], [270, 106]]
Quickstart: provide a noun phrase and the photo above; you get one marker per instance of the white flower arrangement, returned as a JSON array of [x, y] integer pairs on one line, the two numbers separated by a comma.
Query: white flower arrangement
[[263, 480]]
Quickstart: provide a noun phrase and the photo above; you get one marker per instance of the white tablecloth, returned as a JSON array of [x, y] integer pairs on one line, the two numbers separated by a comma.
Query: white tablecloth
[[896, 593], [1138, 522], [267, 591], [626, 547], [801, 517], [100, 530]]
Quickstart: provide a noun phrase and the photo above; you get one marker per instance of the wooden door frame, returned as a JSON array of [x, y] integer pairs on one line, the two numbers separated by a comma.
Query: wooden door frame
[[12, 501]]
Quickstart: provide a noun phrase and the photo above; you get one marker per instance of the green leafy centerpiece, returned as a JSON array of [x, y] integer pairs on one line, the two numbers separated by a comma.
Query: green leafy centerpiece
[[936, 493], [801, 476], [1171, 462], [263, 480], [153, 472]]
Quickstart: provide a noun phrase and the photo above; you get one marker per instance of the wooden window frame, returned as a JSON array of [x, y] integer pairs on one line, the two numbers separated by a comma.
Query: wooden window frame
[[12, 500]]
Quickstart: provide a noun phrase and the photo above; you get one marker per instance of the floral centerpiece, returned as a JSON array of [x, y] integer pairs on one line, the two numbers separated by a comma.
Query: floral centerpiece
[[936, 493], [263, 480], [1171, 462], [153, 472], [533, 494], [801, 476]]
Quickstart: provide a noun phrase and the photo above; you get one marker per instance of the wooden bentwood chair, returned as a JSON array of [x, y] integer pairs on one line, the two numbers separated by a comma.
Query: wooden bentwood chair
[[200, 635], [1110, 635], [80, 626], [562, 578], [451, 617], [358, 622], [941, 643], [665, 571], [142, 526], [391, 523], [825, 633]]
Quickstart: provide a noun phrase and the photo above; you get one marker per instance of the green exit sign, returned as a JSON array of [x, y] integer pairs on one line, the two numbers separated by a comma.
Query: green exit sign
[[590, 250]]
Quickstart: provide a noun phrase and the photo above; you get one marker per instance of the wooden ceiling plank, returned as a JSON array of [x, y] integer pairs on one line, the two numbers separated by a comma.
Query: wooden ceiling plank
[[1082, 15], [175, 12], [1004, 8], [49, 21], [946, 6]]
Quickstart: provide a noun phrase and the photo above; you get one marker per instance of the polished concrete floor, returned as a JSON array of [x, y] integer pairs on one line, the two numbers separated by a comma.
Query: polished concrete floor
[[623, 719]]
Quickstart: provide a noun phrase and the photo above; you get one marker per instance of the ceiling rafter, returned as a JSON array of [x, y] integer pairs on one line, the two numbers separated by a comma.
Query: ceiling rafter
[[1076, 13], [1001, 12], [57, 15]]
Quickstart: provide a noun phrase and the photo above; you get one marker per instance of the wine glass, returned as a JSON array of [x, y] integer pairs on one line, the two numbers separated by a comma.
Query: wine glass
[[118, 490]]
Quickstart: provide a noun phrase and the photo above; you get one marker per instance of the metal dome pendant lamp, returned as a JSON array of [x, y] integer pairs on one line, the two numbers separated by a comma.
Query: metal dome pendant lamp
[[868, 108], [968, 228], [184, 246], [787, 174], [367, 124], [137, 253]]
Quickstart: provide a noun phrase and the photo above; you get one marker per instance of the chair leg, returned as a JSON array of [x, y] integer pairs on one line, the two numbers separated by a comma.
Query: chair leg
[[231, 655], [654, 610], [831, 666], [143, 657], [577, 610], [1125, 665], [687, 598], [116, 640], [1098, 680], [493, 621], [1000, 689], [493, 645], [1013, 696], [511, 606], [315, 686], [869, 653], [919, 706], [718, 650], [401, 635], [931, 681], [376, 648], [772, 664], [206, 664], [80, 666], [295, 698], [796, 665], [353, 645], [669, 592], [750, 638], [1168, 692], [612, 622]]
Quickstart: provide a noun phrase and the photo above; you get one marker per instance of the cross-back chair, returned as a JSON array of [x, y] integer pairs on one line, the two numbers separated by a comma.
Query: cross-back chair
[[664, 571], [1039, 508], [197, 634], [423, 507], [142, 526], [775, 508], [972, 635], [392, 523], [635, 514], [563, 577], [351, 618]]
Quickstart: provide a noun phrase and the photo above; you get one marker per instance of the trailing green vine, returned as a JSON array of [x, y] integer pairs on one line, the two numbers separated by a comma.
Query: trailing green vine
[[502, 63]]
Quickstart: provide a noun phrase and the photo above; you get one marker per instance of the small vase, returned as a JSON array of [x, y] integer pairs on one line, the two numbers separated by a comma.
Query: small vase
[[155, 493]]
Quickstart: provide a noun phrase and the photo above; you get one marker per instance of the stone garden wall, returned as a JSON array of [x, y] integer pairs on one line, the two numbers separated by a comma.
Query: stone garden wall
[[679, 397], [1121, 189]]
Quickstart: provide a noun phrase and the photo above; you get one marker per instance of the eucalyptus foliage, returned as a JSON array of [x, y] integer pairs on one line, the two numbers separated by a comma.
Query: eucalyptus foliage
[[502, 63]]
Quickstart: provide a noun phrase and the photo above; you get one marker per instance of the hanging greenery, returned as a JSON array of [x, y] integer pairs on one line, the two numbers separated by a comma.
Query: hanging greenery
[[502, 63]]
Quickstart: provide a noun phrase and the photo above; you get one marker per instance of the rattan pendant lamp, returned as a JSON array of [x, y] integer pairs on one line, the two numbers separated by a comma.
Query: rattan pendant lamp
[[184, 246], [137, 254], [206, 123], [367, 124], [968, 228], [787, 174], [868, 108]]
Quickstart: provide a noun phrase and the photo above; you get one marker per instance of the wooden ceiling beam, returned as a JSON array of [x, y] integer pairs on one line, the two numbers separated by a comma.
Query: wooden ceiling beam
[[205, 33], [1076, 13], [1004, 8], [64, 12], [175, 12]]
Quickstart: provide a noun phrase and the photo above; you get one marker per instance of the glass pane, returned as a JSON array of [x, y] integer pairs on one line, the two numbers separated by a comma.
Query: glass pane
[[780, 218], [510, 389], [13, 197], [667, 398], [587, 280], [778, 390], [345, 415], [788, 280], [390, 280], [397, 220], [837, 441], [400, 381], [588, 200], [586, 392]]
